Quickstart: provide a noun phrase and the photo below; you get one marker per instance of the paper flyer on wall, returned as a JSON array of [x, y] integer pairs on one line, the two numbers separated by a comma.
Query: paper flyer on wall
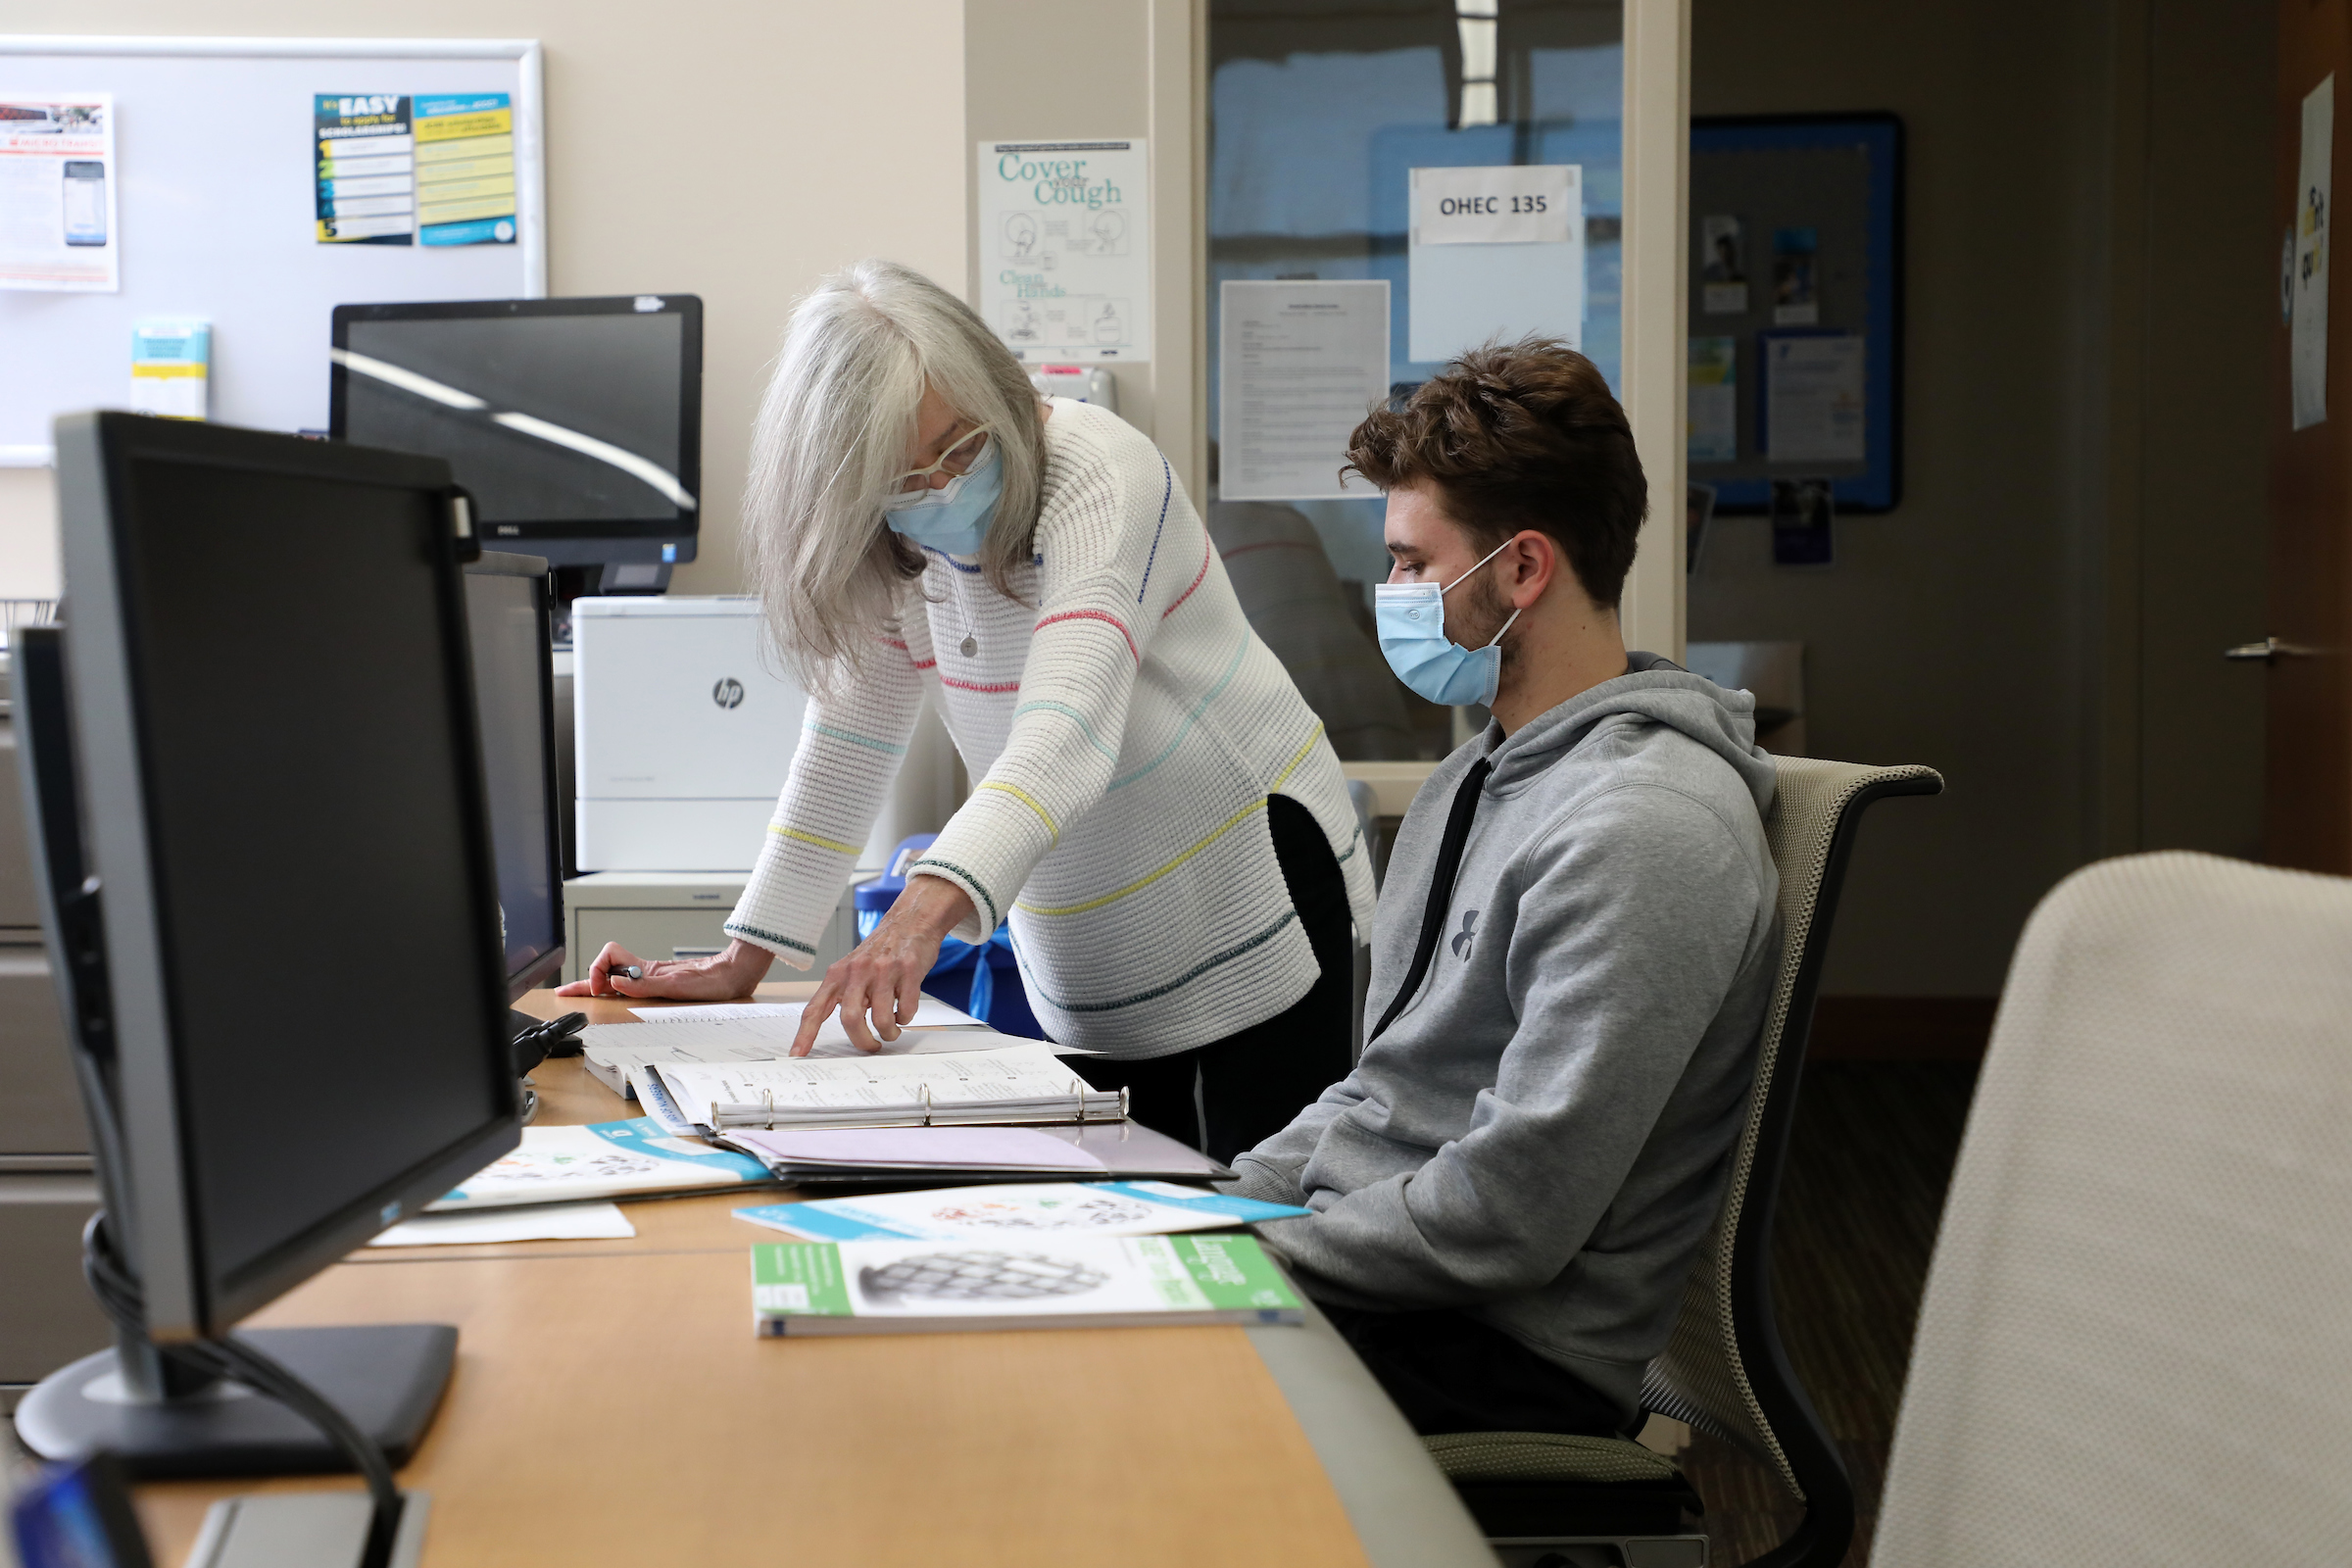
[[57, 232], [1714, 394], [1300, 363], [465, 169], [1065, 248], [367, 155], [1814, 408], [1494, 252]]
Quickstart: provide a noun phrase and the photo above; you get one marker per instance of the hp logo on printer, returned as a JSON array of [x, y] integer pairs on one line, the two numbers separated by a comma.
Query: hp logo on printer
[[728, 693]]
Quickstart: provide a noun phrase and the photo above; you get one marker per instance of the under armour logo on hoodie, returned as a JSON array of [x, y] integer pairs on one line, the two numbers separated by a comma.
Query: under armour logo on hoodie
[[1465, 936]]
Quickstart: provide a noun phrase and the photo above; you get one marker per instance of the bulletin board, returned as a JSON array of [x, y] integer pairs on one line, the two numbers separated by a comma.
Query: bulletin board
[[217, 207], [1818, 204]]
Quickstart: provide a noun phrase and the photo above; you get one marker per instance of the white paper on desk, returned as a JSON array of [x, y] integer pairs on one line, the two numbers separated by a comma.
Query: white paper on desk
[[932, 1013], [547, 1222]]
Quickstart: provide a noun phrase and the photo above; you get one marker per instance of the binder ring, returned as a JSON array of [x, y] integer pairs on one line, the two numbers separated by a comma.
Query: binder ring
[[1078, 1093], [770, 1094], [925, 1089]]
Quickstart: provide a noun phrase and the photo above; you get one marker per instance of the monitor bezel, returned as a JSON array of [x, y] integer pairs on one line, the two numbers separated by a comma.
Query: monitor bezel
[[648, 534], [183, 1297], [493, 563]]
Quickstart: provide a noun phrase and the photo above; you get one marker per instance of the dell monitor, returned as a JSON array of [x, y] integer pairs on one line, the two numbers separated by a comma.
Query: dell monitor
[[506, 609], [575, 424], [257, 783]]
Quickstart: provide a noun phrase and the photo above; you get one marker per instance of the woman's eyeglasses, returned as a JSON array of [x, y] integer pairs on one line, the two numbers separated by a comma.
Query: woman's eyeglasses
[[958, 461]]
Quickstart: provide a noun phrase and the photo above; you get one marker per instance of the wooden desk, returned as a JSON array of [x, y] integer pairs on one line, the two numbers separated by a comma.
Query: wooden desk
[[611, 1405]]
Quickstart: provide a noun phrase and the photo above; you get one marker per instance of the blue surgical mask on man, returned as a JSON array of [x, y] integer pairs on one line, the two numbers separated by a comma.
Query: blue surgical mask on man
[[952, 519], [1410, 618]]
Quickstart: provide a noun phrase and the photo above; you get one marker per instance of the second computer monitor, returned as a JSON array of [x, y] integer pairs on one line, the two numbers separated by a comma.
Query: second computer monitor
[[514, 691], [575, 424]]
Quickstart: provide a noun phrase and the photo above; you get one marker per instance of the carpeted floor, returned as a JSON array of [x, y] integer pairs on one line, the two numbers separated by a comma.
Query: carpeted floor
[[1874, 1148]]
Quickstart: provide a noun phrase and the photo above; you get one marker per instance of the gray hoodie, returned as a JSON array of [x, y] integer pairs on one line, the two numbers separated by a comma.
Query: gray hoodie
[[1542, 1136]]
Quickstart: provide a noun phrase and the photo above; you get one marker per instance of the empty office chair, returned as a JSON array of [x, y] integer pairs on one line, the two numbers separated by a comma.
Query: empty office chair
[[2137, 1343], [1724, 1370]]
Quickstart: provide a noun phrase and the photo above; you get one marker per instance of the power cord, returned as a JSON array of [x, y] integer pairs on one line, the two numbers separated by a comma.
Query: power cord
[[120, 1296]]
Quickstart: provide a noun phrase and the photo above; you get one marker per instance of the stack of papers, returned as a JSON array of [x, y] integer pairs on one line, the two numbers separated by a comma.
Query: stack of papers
[[1062, 1282], [544, 1222], [1003, 1214], [763, 1031]]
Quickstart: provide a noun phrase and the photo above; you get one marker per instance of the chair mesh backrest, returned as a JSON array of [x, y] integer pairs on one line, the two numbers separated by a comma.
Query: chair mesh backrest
[[1701, 1377], [2136, 1342]]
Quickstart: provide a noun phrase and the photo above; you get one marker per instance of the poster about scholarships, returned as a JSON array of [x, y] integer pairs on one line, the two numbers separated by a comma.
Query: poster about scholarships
[[1065, 248], [56, 194], [465, 169], [367, 169]]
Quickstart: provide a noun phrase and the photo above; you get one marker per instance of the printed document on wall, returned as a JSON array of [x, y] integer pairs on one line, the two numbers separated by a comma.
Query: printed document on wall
[[56, 194], [1065, 248], [1496, 252], [1300, 365], [1813, 404], [2307, 339]]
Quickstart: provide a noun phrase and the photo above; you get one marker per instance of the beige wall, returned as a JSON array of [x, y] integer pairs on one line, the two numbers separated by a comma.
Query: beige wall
[[2040, 617], [802, 134]]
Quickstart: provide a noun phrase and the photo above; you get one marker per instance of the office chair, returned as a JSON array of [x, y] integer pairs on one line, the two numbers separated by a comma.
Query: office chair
[[2135, 1346], [1546, 1498]]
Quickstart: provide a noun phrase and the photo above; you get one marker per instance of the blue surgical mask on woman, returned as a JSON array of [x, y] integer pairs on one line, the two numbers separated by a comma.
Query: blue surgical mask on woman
[[1410, 618], [952, 519]]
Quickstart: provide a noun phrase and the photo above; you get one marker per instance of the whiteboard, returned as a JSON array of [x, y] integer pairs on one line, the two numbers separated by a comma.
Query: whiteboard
[[215, 179]]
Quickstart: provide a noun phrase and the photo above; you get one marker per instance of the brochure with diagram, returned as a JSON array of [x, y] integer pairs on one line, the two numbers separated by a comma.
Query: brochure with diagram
[[608, 1159], [801, 1288], [1017, 1212]]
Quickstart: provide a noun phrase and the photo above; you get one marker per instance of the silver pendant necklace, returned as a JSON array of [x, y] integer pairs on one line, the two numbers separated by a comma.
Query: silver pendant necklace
[[970, 645]]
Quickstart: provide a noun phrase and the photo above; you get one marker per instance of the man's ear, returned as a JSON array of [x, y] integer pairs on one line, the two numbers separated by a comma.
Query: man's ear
[[1540, 563]]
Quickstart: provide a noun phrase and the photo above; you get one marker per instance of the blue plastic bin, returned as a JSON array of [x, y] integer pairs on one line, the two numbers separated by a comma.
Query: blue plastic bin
[[985, 980]]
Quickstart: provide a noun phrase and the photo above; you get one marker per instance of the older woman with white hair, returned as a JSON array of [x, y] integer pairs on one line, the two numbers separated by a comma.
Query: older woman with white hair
[[1157, 812]]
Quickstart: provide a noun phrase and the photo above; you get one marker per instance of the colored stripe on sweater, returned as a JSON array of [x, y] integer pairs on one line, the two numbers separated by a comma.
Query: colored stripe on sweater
[[1221, 830], [1214, 960], [810, 838], [1208, 551], [856, 739], [1026, 799], [1074, 716], [757, 934], [1239, 648], [1167, 493], [1094, 615]]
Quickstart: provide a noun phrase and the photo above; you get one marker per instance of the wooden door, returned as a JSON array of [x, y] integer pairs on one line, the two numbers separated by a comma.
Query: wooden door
[[2307, 804]]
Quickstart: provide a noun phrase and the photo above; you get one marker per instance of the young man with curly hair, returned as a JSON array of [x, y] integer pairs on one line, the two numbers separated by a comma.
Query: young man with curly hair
[[1575, 946]]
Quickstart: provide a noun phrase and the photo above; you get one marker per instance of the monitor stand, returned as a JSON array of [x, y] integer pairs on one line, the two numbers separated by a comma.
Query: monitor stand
[[167, 1420]]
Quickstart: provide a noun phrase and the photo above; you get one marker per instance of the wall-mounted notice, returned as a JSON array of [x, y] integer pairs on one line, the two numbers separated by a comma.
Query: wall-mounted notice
[[1795, 300], [56, 194], [1813, 408], [2306, 337], [366, 151], [1300, 365], [1722, 267], [1066, 248], [465, 169], [1496, 252], [1714, 393]]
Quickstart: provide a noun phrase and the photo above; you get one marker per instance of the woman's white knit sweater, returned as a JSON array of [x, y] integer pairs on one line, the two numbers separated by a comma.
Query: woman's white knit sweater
[[1125, 727]]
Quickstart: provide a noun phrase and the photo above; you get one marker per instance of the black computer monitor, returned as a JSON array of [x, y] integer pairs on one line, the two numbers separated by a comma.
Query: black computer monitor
[[576, 424], [506, 609], [272, 895]]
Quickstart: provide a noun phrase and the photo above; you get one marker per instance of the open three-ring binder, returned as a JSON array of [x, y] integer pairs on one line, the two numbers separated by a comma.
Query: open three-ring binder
[[1015, 1086], [1079, 1103]]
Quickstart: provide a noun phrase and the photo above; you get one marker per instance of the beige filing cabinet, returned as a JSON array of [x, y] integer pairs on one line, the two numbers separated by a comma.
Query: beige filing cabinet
[[46, 1189], [673, 914]]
